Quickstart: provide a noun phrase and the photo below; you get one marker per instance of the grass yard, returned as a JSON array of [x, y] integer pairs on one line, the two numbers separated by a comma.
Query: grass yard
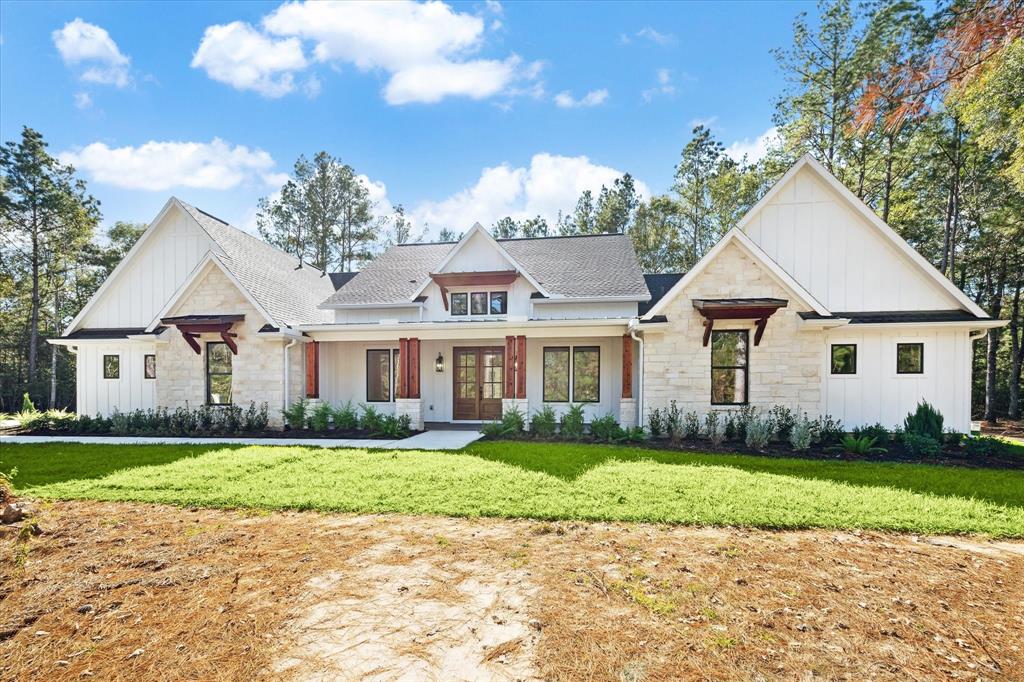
[[536, 480]]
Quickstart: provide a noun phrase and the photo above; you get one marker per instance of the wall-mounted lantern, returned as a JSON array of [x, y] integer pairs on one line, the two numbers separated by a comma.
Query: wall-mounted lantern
[[439, 364]]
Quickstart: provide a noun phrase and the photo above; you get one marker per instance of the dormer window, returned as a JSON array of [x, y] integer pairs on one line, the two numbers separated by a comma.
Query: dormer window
[[479, 303]]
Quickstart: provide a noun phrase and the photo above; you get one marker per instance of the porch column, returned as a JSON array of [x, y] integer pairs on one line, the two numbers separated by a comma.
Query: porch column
[[627, 404], [521, 368], [313, 369], [510, 367], [407, 398], [515, 377]]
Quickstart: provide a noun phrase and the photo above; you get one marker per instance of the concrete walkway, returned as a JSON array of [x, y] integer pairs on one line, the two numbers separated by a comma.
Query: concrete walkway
[[428, 440]]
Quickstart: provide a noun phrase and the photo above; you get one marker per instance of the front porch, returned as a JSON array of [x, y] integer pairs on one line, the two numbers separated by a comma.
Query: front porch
[[470, 380]]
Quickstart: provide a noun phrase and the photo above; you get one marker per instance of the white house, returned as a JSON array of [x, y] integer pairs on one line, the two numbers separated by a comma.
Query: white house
[[811, 302]]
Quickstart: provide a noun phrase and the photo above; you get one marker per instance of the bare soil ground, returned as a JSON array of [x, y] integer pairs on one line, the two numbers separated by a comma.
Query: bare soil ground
[[129, 591]]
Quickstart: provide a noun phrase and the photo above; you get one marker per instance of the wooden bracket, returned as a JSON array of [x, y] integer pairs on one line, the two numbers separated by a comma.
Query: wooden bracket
[[190, 339], [708, 324], [761, 324]]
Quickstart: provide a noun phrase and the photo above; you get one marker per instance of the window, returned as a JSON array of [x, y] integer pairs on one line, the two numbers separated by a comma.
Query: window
[[149, 366], [556, 375], [499, 302], [460, 304], [844, 358], [910, 358], [586, 374], [478, 303], [111, 366], [729, 362], [378, 376], [218, 373]]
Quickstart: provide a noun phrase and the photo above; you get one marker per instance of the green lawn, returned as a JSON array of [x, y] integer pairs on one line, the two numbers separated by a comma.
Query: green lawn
[[537, 480]]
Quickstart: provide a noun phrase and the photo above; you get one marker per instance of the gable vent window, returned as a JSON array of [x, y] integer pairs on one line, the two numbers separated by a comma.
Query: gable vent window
[[910, 358], [479, 303], [460, 304], [499, 303]]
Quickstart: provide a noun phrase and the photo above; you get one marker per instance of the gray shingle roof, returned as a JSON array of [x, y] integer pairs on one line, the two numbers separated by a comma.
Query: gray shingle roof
[[289, 295], [592, 266]]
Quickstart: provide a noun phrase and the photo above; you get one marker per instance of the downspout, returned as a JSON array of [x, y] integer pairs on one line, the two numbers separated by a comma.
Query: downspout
[[640, 387], [286, 366], [980, 334]]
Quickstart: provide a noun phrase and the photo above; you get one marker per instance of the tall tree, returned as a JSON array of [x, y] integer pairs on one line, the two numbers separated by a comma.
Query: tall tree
[[46, 219], [655, 235], [694, 177], [616, 205], [583, 218]]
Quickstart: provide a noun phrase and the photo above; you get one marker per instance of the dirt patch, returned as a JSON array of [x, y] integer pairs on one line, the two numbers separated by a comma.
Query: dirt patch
[[126, 591]]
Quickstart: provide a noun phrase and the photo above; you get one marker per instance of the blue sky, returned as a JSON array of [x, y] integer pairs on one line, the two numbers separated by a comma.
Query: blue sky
[[459, 111]]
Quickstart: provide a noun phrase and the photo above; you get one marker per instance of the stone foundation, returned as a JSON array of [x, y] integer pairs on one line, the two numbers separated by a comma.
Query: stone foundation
[[627, 413], [413, 407]]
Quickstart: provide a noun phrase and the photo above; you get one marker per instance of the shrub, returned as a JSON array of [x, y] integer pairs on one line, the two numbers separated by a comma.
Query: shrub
[[656, 423], [183, 421], [230, 419], [827, 430], [256, 419], [572, 423], [984, 446], [743, 417], [714, 427], [544, 422], [673, 422], [371, 420], [863, 445], [7, 483], [691, 426], [320, 416], [512, 423], [606, 429], [295, 414], [730, 427], [395, 427], [492, 429], [759, 432], [346, 417], [26, 403], [953, 438], [924, 421], [876, 431], [783, 420], [801, 435], [921, 446], [633, 435]]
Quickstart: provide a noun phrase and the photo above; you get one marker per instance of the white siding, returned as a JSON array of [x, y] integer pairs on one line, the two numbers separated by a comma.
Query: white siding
[[579, 311], [478, 255], [131, 391], [837, 255], [155, 272], [876, 393]]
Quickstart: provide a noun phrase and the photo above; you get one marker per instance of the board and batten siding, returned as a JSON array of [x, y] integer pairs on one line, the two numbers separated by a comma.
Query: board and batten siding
[[836, 254], [153, 275], [130, 391], [877, 394]]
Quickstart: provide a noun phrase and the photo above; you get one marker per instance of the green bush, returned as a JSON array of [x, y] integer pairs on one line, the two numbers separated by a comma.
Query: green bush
[[511, 424], [572, 423], [801, 435], [714, 428], [827, 430], [395, 427], [256, 418], [731, 432], [371, 421], [320, 416], [634, 435], [924, 421], [26, 403], [921, 446], [759, 432], [346, 417], [656, 423], [985, 446], [295, 414], [854, 445], [743, 417], [783, 420], [876, 431], [544, 422], [606, 429], [674, 422], [691, 426]]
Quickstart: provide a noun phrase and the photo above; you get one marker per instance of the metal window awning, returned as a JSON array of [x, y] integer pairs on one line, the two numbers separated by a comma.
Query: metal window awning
[[460, 279], [191, 326], [759, 309]]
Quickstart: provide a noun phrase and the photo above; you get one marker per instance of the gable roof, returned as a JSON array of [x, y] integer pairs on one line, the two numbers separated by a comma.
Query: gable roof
[[919, 261], [735, 235], [590, 266], [289, 294], [659, 284]]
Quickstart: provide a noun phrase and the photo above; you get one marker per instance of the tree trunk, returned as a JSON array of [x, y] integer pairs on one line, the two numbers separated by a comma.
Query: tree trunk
[[993, 347], [1016, 356], [53, 348], [952, 205], [887, 187], [33, 324]]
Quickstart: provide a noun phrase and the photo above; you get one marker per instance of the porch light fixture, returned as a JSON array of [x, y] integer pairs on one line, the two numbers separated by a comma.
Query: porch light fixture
[[439, 364]]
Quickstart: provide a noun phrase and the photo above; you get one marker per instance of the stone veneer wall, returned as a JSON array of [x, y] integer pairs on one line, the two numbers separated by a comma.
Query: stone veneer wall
[[785, 369], [257, 370]]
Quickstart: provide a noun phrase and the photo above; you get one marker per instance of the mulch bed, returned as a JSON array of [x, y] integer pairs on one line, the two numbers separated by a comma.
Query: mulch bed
[[287, 433]]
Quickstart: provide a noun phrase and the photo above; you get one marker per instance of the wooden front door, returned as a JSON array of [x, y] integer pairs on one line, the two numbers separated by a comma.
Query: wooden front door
[[478, 377]]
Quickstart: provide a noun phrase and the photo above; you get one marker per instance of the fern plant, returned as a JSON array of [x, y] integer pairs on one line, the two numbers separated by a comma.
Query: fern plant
[[852, 445]]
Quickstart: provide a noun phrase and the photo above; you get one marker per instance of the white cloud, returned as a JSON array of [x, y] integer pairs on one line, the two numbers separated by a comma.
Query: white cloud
[[593, 98], [754, 150], [426, 49], [159, 166], [83, 100], [663, 39], [664, 86], [551, 183], [241, 56], [91, 47]]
